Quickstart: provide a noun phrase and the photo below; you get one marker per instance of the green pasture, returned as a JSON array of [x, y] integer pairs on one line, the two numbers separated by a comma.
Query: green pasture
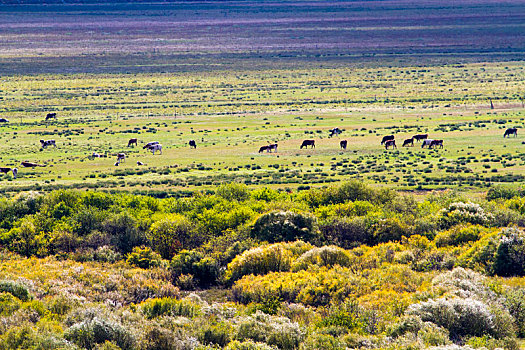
[[231, 114]]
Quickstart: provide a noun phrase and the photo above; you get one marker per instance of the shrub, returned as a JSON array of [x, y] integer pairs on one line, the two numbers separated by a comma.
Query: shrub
[[17, 289], [233, 191], [318, 341], [323, 256], [260, 261], [504, 192], [390, 230], [205, 270], [8, 304], [459, 234], [171, 234], [515, 303], [123, 231], [144, 257], [346, 232], [464, 317], [106, 254], [97, 331], [349, 191], [215, 334], [248, 345], [280, 226], [158, 338], [509, 259], [273, 330], [459, 212], [406, 324], [168, 306]]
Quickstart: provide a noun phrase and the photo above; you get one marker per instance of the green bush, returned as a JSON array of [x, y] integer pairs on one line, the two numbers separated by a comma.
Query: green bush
[[205, 270], [509, 259], [281, 226], [215, 334], [390, 230], [346, 232], [249, 345], [173, 233], [233, 191], [144, 257], [153, 308], [515, 303], [460, 234]]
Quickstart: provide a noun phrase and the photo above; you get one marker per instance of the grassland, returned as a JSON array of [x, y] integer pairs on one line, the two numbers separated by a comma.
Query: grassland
[[232, 114]]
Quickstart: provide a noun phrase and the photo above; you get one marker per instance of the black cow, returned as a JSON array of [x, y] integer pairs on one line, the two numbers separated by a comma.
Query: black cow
[[511, 131], [272, 146], [6, 170], [51, 116], [409, 141], [3, 120], [193, 144], [343, 144], [307, 143], [133, 142], [420, 137], [387, 138]]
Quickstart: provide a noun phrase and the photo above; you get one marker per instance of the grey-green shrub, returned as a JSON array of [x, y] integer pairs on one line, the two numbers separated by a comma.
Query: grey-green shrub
[[464, 317], [17, 289], [273, 330], [97, 330], [322, 256]]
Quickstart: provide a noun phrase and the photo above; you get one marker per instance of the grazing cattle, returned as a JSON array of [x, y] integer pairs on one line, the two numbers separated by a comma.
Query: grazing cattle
[[27, 164], [121, 157], [51, 116], [436, 143], [96, 155], [335, 131], [47, 143], [387, 138], [132, 142], [390, 143], [409, 141], [307, 143], [343, 144], [149, 144], [6, 170], [117, 163], [3, 120], [272, 146], [426, 142], [155, 147], [192, 144], [263, 148], [420, 137], [140, 163], [511, 131]]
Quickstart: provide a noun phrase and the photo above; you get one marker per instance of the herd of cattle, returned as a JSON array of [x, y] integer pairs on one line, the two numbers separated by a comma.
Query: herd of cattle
[[154, 146]]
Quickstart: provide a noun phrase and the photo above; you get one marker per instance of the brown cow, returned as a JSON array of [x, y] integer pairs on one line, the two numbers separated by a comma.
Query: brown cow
[[436, 143], [390, 143], [132, 142]]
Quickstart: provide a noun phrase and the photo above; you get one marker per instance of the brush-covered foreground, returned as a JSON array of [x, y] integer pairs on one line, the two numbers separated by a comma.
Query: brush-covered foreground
[[349, 266]]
